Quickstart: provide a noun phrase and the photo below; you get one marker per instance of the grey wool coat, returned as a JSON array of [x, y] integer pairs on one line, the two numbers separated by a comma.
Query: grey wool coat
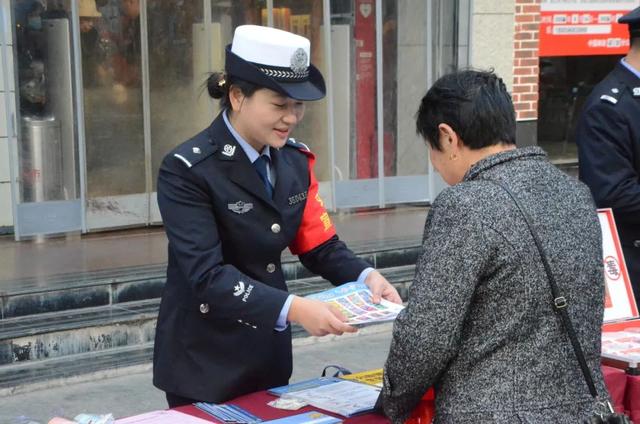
[[479, 325]]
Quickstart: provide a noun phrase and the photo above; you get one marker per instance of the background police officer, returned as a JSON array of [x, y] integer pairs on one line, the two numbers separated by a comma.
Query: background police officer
[[608, 137]]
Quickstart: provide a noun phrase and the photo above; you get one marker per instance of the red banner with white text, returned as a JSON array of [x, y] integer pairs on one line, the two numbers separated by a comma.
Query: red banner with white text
[[584, 27]]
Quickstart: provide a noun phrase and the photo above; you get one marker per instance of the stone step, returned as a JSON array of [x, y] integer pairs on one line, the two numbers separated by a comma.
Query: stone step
[[28, 343], [102, 288], [23, 377]]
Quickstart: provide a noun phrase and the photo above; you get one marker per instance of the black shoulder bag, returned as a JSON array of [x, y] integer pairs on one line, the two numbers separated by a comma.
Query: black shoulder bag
[[560, 304]]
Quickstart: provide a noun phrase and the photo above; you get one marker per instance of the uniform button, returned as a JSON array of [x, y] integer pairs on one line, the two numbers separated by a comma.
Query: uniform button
[[275, 228], [271, 268], [636, 243], [204, 308]]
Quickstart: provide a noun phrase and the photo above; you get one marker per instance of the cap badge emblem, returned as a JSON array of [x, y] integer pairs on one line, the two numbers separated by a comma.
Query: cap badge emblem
[[299, 61], [196, 150], [229, 150]]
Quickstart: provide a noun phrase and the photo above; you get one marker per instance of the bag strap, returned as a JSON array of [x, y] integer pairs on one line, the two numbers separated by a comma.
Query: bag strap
[[559, 302], [338, 368]]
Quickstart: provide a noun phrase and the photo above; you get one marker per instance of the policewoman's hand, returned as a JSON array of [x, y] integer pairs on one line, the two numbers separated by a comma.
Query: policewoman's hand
[[317, 317], [381, 288]]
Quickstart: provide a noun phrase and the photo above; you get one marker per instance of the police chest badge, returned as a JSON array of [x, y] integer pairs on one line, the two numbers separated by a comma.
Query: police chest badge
[[636, 92], [240, 207], [297, 198]]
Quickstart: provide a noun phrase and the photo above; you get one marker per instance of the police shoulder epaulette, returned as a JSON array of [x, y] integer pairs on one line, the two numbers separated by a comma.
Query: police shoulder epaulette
[[298, 145], [611, 96], [194, 151]]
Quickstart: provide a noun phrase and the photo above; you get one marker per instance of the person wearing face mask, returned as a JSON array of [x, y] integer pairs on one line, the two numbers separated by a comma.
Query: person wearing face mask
[[232, 198]]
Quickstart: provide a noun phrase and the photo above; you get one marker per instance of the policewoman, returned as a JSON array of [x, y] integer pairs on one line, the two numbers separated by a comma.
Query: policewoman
[[232, 198], [608, 138]]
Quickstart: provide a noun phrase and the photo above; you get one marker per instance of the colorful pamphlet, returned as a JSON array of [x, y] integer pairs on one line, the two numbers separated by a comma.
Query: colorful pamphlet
[[228, 413], [354, 301], [372, 377], [311, 417]]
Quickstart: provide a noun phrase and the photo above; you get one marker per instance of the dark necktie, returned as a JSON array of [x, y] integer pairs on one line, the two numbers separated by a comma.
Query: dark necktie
[[261, 166]]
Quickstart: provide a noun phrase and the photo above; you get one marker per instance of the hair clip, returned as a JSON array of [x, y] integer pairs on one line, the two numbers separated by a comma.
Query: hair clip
[[222, 81]]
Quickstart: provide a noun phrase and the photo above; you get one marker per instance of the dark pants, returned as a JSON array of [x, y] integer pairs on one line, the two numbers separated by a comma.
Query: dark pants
[[174, 400], [632, 259]]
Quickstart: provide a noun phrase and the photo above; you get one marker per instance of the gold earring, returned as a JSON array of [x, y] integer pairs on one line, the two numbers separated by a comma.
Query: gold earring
[[453, 156]]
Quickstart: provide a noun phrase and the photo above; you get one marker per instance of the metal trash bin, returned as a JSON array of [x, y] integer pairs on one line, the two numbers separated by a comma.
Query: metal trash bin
[[40, 154]]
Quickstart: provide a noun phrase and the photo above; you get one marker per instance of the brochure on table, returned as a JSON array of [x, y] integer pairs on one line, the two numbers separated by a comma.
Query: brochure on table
[[332, 394], [355, 303], [621, 330]]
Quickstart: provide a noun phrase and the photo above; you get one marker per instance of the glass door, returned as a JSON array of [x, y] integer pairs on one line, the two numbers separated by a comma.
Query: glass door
[[395, 51], [143, 63], [112, 92]]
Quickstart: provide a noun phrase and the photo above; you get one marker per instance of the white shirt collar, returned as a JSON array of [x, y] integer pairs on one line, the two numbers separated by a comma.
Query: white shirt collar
[[635, 71], [251, 153]]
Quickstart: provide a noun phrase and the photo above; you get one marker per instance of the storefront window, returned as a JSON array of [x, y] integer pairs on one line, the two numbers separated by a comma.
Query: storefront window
[[419, 41]]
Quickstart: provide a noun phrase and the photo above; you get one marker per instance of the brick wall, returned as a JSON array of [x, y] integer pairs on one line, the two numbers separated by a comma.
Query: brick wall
[[525, 59]]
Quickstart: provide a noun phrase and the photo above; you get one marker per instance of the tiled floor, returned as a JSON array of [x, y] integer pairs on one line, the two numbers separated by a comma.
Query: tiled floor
[[137, 247]]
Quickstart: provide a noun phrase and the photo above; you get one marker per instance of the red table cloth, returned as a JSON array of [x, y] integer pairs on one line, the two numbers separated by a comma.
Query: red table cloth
[[256, 403], [616, 382], [632, 397]]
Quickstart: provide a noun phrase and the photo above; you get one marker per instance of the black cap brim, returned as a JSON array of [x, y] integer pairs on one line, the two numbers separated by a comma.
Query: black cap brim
[[313, 88], [632, 18]]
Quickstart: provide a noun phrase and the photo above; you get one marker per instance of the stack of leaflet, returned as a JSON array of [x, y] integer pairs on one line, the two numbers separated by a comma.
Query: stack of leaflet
[[346, 398], [228, 413]]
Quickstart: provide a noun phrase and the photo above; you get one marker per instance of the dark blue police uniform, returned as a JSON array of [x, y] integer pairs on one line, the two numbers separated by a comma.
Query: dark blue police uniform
[[216, 337], [608, 137]]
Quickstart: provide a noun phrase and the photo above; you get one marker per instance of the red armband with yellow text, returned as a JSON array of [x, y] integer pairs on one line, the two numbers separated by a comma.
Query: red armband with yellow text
[[316, 226]]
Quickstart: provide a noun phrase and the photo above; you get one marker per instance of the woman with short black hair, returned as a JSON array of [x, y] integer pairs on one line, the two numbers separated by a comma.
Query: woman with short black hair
[[480, 326]]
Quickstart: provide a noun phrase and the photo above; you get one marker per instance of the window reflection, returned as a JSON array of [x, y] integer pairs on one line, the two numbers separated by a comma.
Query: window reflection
[[177, 68], [112, 88]]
